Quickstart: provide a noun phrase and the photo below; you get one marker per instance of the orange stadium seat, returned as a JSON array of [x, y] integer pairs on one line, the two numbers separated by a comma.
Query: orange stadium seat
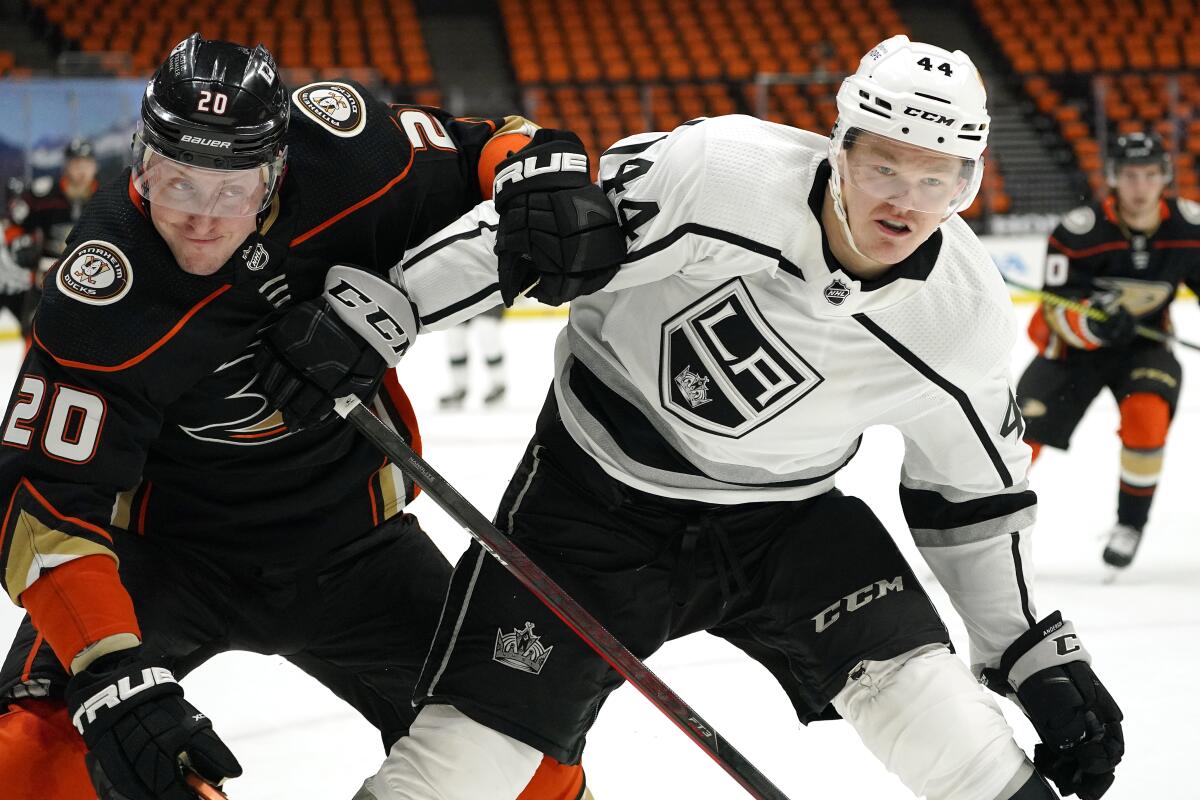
[[1125, 66], [374, 40]]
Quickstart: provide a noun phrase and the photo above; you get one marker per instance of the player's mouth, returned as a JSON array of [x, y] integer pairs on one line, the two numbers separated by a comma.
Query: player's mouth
[[201, 241], [893, 227]]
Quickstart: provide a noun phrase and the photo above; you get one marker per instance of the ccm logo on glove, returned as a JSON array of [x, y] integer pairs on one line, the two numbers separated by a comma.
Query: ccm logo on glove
[[110, 696], [528, 168], [377, 310], [379, 320]]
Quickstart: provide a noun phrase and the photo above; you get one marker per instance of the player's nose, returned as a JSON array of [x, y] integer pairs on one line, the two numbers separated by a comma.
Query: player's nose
[[201, 223]]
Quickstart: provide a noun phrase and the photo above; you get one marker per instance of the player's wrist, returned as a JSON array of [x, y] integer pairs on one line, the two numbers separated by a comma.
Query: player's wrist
[[118, 643]]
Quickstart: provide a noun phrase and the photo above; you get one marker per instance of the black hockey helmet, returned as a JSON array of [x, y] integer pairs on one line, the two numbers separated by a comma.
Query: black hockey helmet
[[217, 107], [78, 148], [1137, 148]]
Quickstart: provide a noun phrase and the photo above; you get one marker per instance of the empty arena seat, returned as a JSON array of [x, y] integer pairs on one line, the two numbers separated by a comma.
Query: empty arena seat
[[375, 40]]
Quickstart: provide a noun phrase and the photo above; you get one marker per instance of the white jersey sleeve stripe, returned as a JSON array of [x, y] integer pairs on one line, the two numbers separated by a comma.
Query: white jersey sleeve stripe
[[451, 276], [636, 147], [1022, 584], [430, 248], [955, 392], [938, 522], [482, 300], [976, 531], [705, 231]]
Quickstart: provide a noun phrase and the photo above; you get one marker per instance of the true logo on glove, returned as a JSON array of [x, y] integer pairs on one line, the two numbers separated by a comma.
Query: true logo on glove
[[112, 695], [528, 168]]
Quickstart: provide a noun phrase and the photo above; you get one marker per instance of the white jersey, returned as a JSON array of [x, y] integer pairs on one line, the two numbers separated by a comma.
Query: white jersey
[[732, 360]]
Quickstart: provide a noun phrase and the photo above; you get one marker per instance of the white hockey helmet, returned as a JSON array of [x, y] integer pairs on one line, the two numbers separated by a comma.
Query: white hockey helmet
[[919, 96]]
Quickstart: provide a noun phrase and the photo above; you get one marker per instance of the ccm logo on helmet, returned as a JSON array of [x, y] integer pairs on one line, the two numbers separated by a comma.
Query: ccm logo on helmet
[[528, 167], [931, 116], [214, 143]]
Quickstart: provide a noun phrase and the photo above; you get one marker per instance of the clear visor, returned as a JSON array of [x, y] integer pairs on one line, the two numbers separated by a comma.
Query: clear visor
[[906, 176], [204, 192]]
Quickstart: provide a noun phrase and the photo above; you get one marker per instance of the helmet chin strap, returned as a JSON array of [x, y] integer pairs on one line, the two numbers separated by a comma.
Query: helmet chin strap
[[839, 208]]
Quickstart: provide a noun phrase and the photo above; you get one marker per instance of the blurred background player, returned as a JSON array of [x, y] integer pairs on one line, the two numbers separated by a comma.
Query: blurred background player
[[1126, 255], [41, 218], [485, 329], [14, 279]]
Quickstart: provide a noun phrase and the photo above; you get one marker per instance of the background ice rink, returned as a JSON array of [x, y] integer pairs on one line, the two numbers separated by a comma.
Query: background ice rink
[[295, 740]]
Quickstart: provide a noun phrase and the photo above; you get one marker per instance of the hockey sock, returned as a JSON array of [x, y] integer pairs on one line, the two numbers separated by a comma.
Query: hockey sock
[[1133, 503], [456, 350], [487, 331], [41, 754], [555, 781], [495, 368], [1144, 421]]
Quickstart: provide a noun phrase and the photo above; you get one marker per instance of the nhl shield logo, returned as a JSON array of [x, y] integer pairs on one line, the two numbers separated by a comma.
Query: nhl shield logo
[[837, 292], [256, 257], [522, 649], [335, 106], [95, 272]]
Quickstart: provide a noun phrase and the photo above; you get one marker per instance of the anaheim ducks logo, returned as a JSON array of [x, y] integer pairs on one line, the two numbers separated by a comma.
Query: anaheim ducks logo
[[95, 272], [336, 106], [254, 421]]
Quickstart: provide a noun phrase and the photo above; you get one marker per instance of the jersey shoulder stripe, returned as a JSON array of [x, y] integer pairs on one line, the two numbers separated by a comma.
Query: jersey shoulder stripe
[[959, 396]]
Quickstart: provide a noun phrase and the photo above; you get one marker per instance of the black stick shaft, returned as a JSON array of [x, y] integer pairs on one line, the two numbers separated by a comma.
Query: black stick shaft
[[562, 604]]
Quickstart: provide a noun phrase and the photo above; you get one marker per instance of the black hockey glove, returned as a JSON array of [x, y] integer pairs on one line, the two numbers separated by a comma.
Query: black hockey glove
[[1076, 718], [140, 731], [1120, 326], [559, 237], [25, 252], [309, 357]]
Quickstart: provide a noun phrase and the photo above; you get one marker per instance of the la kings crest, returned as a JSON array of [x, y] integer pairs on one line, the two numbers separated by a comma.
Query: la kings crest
[[724, 369]]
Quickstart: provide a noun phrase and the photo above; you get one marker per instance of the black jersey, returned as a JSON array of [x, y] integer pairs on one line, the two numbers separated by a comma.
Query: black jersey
[[137, 405], [40, 219], [1092, 250]]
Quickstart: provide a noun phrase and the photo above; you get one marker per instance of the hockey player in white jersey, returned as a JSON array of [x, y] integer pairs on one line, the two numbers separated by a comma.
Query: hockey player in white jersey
[[783, 292]]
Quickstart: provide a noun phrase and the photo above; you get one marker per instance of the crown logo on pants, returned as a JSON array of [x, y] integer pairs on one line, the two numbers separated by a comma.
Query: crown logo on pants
[[522, 649]]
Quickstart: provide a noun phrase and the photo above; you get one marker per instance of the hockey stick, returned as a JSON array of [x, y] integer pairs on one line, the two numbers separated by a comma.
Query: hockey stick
[[203, 789], [558, 601], [1097, 314]]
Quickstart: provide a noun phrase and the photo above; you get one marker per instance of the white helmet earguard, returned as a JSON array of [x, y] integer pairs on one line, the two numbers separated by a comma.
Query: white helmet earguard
[[919, 95]]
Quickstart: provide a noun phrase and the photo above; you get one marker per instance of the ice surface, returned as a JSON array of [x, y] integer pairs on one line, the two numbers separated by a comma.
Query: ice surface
[[296, 740]]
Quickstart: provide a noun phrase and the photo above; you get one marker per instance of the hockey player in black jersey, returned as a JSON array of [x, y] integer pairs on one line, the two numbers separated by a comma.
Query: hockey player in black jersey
[[783, 291], [1126, 255], [158, 509], [41, 217]]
